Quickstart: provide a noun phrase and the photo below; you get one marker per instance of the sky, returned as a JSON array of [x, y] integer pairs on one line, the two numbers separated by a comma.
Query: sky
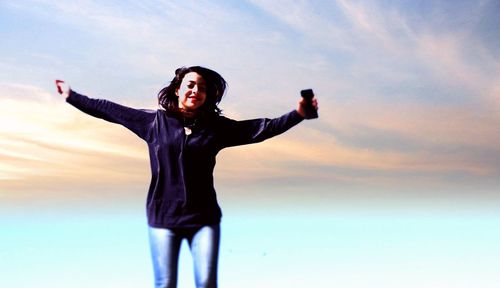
[[409, 96]]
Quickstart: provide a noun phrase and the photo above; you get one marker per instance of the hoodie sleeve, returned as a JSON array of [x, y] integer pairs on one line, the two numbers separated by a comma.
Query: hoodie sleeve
[[256, 130], [138, 121]]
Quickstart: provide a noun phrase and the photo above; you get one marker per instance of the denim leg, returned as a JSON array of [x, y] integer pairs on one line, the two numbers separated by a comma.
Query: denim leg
[[165, 247], [205, 251]]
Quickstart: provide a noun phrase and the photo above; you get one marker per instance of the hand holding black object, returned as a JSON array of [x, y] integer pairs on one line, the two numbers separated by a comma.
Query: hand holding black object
[[308, 106]]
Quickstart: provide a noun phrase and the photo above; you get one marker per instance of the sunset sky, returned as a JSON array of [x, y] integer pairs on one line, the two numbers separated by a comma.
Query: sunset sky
[[409, 95]]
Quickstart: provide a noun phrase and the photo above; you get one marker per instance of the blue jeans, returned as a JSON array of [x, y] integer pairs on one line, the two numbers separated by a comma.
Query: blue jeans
[[165, 247]]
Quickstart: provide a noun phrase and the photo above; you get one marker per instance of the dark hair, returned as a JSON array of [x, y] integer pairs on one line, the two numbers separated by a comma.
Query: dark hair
[[215, 87]]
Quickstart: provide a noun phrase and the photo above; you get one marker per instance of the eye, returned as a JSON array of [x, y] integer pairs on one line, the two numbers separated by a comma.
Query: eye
[[190, 85]]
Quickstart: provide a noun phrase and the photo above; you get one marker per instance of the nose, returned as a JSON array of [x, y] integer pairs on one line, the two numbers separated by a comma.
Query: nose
[[194, 90]]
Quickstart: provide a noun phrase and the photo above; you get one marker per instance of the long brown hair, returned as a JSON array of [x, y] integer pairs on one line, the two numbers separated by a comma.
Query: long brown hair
[[215, 85]]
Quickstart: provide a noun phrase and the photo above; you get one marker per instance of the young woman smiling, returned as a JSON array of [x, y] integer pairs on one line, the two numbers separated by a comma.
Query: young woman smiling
[[184, 138]]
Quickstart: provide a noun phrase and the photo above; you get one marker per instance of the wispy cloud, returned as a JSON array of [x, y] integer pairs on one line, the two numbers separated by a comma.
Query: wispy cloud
[[401, 93], [45, 142], [407, 89]]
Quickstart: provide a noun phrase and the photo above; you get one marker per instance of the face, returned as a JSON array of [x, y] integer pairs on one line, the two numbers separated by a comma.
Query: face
[[191, 92]]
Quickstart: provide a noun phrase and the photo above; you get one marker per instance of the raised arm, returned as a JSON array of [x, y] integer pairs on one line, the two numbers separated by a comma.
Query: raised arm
[[257, 130], [140, 122]]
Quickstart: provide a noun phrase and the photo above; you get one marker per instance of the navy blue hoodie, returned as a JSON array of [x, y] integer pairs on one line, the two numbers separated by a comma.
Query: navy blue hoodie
[[181, 193]]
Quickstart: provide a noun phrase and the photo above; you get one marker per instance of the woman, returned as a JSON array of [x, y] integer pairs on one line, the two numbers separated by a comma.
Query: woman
[[183, 140]]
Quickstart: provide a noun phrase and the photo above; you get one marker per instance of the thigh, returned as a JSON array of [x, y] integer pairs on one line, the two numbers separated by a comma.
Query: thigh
[[165, 246], [204, 244]]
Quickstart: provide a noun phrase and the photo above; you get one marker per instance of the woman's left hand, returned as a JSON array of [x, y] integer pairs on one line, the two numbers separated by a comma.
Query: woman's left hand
[[304, 104]]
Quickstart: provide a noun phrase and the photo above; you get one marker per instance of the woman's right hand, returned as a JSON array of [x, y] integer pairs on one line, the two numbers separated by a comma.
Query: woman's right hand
[[62, 88]]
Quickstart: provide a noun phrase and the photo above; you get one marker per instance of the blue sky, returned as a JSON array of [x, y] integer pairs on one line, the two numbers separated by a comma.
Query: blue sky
[[409, 105], [409, 92]]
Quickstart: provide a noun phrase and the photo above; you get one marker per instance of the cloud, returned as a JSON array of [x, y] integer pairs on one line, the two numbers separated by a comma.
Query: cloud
[[401, 93], [45, 142], [408, 88]]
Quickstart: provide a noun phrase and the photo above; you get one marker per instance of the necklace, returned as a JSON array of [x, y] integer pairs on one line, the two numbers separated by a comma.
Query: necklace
[[189, 125]]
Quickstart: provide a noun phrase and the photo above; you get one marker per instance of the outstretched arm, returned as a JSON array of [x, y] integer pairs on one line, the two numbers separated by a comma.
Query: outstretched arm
[[140, 122], [257, 130]]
